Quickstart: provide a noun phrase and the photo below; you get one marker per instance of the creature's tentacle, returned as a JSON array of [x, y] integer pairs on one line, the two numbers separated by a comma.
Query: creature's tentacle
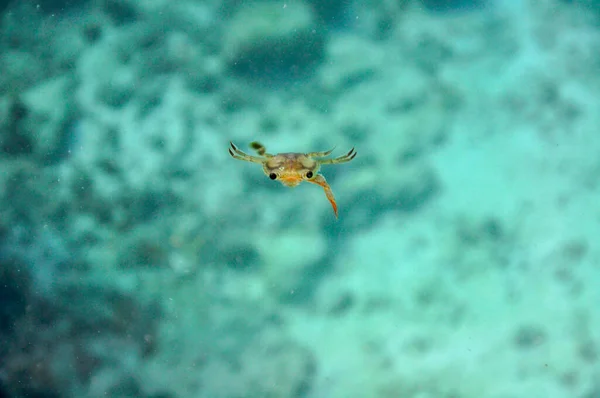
[[236, 153], [320, 180], [342, 159], [260, 149], [319, 154]]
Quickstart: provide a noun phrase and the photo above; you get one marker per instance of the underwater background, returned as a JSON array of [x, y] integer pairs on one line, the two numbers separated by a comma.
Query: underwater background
[[139, 259]]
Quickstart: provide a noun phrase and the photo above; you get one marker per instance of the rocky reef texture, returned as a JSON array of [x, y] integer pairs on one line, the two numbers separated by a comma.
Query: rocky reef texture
[[137, 259], [266, 38]]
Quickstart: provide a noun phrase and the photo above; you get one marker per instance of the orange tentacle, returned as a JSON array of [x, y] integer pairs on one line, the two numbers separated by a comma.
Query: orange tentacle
[[320, 180]]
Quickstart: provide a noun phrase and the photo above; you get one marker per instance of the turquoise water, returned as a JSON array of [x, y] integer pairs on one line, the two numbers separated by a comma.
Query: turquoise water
[[150, 248]]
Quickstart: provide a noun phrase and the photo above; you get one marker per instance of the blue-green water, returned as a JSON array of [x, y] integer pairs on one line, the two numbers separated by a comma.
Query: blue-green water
[[139, 259]]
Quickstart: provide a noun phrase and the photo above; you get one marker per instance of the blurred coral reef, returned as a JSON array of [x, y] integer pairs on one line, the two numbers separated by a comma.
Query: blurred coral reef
[[138, 260]]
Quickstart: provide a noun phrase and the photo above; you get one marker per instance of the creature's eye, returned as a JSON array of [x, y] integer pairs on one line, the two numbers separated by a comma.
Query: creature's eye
[[273, 176], [309, 174]]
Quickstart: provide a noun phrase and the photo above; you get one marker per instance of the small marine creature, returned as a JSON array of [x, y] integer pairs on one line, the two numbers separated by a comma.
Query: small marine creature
[[293, 168]]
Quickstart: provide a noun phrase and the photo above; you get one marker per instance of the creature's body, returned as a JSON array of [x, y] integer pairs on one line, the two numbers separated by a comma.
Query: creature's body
[[293, 168]]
